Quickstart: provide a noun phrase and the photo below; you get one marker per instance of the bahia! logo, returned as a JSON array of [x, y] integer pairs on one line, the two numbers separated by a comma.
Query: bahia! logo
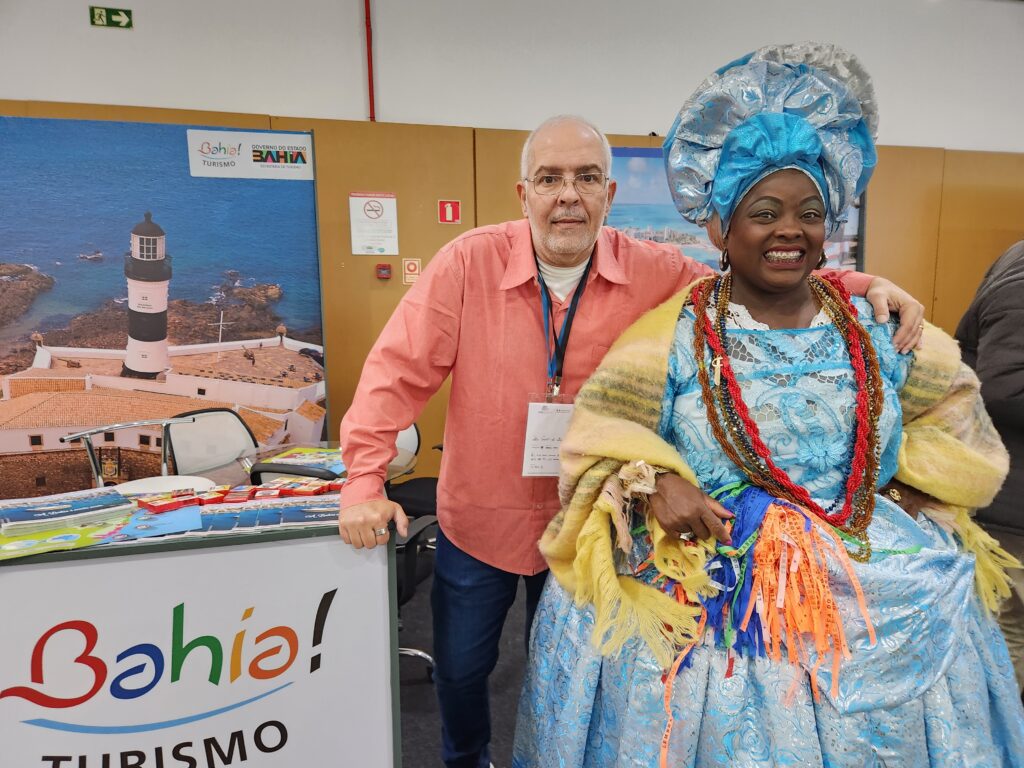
[[219, 155], [139, 671]]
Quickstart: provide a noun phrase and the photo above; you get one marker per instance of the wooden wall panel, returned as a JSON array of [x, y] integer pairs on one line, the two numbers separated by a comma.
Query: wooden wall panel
[[420, 164], [497, 155], [982, 216], [902, 222], [72, 111]]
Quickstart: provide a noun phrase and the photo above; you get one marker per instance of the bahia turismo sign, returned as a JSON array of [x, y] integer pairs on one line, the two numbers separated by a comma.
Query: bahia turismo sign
[[250, 154], [260, 655]]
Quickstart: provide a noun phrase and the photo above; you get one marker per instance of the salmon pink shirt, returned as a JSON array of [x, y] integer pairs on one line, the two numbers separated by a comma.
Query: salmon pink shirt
[[475, 314]]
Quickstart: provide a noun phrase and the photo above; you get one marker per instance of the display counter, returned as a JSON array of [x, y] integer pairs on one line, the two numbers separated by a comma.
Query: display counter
[[269, 649]]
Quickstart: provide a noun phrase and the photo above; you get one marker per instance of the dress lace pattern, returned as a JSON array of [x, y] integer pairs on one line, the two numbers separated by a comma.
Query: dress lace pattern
[[800, 390]]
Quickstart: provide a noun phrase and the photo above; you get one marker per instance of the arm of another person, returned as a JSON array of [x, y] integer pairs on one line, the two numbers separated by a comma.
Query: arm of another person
[[1000, 371], [1000, 363], [408, 363], [886, 297]]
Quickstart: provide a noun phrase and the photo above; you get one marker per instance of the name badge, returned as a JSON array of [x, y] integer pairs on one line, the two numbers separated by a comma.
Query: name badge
[[546, 425]]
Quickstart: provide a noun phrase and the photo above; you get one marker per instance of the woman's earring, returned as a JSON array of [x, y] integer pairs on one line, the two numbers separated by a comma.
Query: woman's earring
[[822, 261], [723, 260]]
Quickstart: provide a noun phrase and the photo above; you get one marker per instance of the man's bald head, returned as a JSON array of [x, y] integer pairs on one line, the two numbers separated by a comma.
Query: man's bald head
[[524, 163]]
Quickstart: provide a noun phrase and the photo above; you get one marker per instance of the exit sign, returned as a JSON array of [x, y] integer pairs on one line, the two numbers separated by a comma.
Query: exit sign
[[110, 17]]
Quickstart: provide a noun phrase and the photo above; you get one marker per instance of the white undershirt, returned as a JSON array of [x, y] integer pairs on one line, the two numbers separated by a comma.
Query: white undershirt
[[561, 280]]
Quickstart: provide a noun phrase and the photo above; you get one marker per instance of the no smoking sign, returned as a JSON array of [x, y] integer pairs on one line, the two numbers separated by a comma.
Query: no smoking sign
[[411, 269]]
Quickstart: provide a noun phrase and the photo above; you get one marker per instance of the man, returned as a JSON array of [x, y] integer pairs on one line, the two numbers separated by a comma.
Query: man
[[992, 344], [481, 314]]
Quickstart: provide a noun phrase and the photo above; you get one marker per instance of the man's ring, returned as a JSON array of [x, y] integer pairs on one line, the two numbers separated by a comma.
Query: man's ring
[[920, 326], [380, 531], [686, 536]]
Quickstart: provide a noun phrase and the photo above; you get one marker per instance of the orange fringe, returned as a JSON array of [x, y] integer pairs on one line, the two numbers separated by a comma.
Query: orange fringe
[[793, 594], [669, 683], [794, 600]]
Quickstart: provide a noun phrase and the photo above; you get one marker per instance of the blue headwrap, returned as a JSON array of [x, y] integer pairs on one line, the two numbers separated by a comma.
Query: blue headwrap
[[805, 106]]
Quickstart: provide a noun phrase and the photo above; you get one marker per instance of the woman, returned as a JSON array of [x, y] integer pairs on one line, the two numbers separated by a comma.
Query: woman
[[826, 625]]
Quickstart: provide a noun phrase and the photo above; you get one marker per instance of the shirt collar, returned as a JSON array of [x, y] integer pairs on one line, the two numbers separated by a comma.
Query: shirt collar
[[522, 267]]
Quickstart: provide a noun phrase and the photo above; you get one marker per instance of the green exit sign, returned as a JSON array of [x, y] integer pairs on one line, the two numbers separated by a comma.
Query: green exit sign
[[110, 17]]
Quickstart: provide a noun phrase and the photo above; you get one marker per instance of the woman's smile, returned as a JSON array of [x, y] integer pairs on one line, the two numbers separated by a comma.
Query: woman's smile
[[785, 258]]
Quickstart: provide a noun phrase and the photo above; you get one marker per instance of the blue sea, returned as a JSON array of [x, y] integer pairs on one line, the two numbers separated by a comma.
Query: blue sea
[[641, 216], [69, 187]]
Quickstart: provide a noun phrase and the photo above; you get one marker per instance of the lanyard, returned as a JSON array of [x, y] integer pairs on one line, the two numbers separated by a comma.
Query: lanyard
[[556, 356]]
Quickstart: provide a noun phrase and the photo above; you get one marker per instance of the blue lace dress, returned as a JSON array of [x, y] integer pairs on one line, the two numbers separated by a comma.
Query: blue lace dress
[[937, 689]]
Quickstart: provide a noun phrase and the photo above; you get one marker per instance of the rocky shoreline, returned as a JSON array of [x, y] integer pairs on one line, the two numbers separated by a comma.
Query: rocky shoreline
[[248, 314], [19, 286]]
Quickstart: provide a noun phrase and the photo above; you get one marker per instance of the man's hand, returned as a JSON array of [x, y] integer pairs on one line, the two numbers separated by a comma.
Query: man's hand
[[885, 297], [360, 524], [682, 508]]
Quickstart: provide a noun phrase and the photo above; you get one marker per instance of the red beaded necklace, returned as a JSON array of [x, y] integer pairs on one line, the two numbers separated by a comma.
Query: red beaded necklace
[[739, 435]]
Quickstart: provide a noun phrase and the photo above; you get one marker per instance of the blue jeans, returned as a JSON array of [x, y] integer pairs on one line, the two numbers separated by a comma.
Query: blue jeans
[[470, 601]]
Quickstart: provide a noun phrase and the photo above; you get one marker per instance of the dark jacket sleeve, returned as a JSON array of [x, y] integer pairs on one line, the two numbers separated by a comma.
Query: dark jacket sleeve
[[1000, 356]]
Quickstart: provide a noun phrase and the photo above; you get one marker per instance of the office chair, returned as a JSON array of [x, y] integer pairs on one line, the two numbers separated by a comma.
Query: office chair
[[409, 439], [418, 497], [192, 442], [415, 563], [212, 438], [265, 471]]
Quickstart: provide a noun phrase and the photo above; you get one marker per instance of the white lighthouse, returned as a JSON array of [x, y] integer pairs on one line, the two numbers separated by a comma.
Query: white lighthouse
[[147, 267]]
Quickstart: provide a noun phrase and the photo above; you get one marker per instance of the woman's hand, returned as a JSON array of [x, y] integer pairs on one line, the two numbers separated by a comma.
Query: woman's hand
[[909, 499], [682, 508]]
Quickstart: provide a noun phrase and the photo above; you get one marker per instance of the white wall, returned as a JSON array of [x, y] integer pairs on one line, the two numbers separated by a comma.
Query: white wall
[[948, 72], [17, 440]]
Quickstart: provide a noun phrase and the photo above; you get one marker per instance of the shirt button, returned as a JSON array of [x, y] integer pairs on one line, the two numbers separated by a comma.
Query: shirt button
[[538, 506]]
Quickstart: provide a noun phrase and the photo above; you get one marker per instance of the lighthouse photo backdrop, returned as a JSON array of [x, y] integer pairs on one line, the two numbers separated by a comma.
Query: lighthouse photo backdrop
[[237, 214], [72, 190]]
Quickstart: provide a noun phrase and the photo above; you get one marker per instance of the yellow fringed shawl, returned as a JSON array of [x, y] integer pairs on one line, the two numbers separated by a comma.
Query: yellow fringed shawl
[[948, 440], [951, 451]]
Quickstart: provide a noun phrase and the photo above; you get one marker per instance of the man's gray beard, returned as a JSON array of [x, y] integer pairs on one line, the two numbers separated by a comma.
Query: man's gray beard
[[567, 245]]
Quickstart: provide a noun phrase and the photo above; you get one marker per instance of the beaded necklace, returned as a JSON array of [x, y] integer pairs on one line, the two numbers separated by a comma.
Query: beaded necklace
[[741, 439]]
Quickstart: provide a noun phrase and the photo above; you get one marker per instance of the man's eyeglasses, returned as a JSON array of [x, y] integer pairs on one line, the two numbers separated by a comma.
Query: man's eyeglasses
[[585, 183]]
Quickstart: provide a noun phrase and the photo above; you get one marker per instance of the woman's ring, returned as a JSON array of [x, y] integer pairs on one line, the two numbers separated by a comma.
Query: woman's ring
[[686, 536], [895, 495], [380, 531]]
